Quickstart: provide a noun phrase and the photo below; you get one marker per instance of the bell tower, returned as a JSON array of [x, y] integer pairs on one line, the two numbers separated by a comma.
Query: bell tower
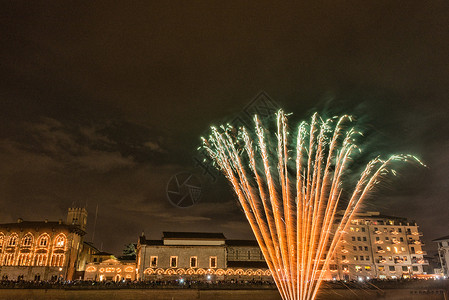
[[77, 216]]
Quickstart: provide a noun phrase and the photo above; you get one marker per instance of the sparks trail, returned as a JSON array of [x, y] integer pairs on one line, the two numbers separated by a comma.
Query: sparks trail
[[290, 191]]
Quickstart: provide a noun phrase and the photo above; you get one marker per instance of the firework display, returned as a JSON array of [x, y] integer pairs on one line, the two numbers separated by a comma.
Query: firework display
[[290, 187]]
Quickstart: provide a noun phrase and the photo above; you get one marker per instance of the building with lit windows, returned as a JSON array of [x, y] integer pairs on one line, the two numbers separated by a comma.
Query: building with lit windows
[[199, 256], [374, 246], [378, 246], [443, 253], [111, 269], [44, 250]]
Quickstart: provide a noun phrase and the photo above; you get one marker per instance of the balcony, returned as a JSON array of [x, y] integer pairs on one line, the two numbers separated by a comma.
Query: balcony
[[420, 261], [379, 242], [377, 232], [417, 233], [421, 252]]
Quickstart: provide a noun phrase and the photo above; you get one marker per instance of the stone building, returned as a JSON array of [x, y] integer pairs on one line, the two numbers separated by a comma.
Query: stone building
[[44, 250], [198, 256], [111, 269], [443, 253], [378, 246], [374, 246]]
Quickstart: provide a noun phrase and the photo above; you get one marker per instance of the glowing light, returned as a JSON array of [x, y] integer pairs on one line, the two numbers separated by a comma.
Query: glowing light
[[290, 187]]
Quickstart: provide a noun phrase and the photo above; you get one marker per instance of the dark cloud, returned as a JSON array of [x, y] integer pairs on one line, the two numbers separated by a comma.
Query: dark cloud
[[103, 103]]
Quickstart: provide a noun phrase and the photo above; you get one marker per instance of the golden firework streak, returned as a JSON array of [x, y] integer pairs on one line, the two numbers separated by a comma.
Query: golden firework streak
[[291, 202]]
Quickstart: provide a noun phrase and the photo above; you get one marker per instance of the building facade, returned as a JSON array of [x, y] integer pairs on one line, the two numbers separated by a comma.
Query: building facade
[[43, 250], [443, 253], [111, 269], [378, 246], [198, 256], [374, 246]]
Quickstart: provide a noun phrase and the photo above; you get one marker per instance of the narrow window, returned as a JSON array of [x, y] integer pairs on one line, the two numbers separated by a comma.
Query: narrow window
[[213, 262], [153, 261], [173, 261], [193, 262]]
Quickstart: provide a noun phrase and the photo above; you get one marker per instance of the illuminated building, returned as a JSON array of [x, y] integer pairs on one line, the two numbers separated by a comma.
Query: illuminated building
[[378, 246], [199, 256], [375, 246], [443, 253], [110, 269], [45, 250]]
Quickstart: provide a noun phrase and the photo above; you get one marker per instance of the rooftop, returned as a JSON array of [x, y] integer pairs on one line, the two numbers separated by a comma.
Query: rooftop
[[194, 235], [441, 238]]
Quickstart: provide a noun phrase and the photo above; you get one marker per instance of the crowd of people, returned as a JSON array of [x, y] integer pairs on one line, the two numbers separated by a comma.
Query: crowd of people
[[221, 284]]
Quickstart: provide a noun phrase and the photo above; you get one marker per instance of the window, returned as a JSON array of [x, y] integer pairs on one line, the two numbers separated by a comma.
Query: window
[[402, 249], [412, 250], [388, 248], [387, 238], [40, 259], [153, 261], [366, 248], [43, 241], [366, 257], [358, 268], [12, 241], [359, 239], [361, 257], [213, 262], [363, 229], [392, 269], [353, 238], [354, 247], [249, 255], [368, 268], [57, 260], [404, 268], [381, 268], [357, 229], [343, 257], [24, 259], [60, 241], [356, 258], [415, 268], [399, 230], [173, 261], [352, 228], [27, 240], [364, 238], [360, 248], [193, 262], [8, 259], [377, 238]]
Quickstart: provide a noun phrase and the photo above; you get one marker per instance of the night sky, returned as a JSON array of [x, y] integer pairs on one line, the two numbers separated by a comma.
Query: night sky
[[103, 103]]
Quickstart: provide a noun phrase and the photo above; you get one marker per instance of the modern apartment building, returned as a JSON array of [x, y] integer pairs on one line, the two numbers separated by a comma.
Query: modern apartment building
[[378, 246]]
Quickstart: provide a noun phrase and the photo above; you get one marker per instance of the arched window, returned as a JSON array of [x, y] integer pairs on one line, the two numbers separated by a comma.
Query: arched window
[[24, 259], [27, 240], [40, 259], [12, 242], [8, 259], [57, 260], [60, 241], [43, 240]]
